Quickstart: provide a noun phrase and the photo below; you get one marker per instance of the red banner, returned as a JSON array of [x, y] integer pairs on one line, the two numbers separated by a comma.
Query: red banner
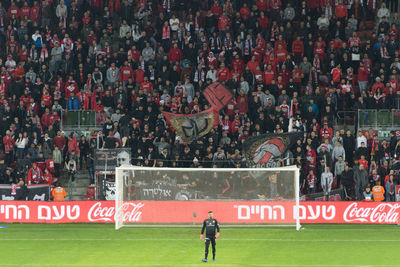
[[195, 211], [217, 95]]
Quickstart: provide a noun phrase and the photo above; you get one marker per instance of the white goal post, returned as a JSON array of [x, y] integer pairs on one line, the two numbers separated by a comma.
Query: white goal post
[[175, 196]]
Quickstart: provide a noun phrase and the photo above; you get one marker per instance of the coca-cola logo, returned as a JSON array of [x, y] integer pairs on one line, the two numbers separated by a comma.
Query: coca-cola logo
[[128, 212], [383, 213]]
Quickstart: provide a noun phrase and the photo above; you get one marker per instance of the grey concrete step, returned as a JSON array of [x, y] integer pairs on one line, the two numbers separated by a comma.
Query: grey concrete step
[[81, 181], [81, 190], [76, 197], [82, 177]]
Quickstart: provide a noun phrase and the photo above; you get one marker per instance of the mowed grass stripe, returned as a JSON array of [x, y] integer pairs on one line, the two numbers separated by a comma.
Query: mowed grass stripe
[[101, 245], [196, 240]]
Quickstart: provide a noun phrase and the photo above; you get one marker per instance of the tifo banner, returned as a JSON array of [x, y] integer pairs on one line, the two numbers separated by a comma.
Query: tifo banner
[[109, 159], [267, 150], [217, 95], [34, 192], [195, 211], [190, 127]]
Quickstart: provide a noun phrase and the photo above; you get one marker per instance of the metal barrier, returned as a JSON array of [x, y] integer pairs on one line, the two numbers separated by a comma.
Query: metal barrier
[[79, 119], [346, 118], [383, 118]]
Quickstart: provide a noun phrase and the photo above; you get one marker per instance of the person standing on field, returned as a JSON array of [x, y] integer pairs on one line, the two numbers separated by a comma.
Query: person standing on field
[[211, 226]]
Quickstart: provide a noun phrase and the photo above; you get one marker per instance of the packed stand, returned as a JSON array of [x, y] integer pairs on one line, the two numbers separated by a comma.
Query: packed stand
[[283, 60]]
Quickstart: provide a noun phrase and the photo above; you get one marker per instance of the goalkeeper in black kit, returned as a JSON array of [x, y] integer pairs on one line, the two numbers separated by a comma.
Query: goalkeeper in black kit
[[211, 226]]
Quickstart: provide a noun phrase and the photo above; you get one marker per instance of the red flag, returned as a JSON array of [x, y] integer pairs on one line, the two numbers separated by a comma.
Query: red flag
[[217, 95], [291, 109]]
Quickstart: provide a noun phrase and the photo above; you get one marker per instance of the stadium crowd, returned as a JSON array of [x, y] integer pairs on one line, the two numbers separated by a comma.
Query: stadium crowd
[[131, 59]]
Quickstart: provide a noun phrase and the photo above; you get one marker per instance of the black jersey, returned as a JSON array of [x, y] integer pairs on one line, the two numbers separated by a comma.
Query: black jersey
[[210, 225]]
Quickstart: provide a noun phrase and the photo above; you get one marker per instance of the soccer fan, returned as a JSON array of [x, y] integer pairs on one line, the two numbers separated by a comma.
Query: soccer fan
[[326, 180], [322, 58], [390, 189], [367, 195], [35, 175]]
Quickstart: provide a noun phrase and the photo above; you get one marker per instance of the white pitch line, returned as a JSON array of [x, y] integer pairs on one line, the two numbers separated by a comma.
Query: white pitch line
[[271, 228], [200, 264], [189, 239]]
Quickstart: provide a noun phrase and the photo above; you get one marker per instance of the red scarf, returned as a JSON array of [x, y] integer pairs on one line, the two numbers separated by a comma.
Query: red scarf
[[81, 75], [311, 180], [196, 24], [36, 175], [247, 45], [167, 5], [317, 64], [44, 54], [166, 32], [89, 84], [113, 72]]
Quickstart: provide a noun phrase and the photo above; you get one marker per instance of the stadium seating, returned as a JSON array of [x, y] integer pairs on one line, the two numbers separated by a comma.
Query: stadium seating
[[86, 75]]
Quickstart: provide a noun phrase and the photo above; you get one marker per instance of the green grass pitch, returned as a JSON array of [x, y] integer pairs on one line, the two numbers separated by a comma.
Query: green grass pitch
[[101, 245]]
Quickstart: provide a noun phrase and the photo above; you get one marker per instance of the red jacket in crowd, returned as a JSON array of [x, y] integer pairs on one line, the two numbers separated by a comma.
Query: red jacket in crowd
[[223, 22], [35, 174], [175, 55], [139, 76], [8, 142], [341, 11], [125, 73], [59, 141], [13, 11], [223, 74], [298, 46], [114, 6], [262, 5], [34, 13]]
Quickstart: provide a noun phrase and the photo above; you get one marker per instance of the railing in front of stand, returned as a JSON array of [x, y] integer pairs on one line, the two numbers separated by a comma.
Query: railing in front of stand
[[82, 119]]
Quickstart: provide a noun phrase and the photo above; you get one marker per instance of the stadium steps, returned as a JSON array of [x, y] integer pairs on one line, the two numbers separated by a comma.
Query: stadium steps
[[77, 197], [79, 190], [79, 187]]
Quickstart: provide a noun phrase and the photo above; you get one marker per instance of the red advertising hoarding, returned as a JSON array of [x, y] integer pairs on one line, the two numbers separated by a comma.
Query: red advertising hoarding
[[195, 211]]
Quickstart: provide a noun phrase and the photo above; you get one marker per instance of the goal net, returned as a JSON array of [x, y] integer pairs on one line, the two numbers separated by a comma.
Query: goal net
[[171, 196]]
